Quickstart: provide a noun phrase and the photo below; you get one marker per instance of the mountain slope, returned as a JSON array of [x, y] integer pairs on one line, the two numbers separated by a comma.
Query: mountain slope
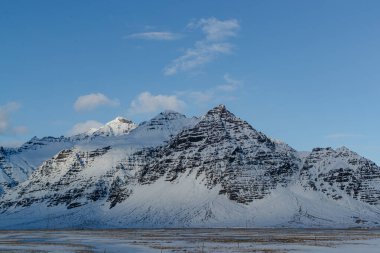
[[17, 164], [214, 171], [90, 171], [225, 150], [341, 172]]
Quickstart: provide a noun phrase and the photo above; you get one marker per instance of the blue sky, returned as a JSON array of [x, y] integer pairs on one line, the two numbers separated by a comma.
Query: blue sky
[[305, 72]]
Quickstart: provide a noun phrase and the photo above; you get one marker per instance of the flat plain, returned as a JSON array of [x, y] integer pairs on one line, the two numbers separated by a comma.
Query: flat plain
[[192, 240]]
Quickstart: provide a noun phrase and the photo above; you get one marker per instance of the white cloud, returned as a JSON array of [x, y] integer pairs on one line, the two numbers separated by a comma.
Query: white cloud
[[230, 84], [213, 45], [5, 125], [5, 110], [154, 36], [84, 127], [201, 53], [217, 30], [92, 101], [216, 94], [147, 103]]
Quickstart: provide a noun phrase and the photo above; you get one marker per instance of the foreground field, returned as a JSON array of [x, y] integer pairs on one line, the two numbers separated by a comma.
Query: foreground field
[[192, 240]]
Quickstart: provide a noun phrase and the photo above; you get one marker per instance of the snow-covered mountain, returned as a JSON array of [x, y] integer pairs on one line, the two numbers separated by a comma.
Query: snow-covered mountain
[[227, 152], [17, 164], [342, 173], [174, 171], [118, 126], [161, 128], [87, 152]]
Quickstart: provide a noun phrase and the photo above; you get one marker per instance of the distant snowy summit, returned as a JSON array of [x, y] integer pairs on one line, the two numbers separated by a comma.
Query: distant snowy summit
[[118, 126], [175, 171]]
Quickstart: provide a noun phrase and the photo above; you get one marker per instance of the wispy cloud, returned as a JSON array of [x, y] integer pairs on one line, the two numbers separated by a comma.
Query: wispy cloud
[[5, 124], [91, 101], [11, 143], [219, 93], [147, 103], [154, 36], [215, 29], [5, 110], [343, 136], [230, 84], [200, 54], [214, 44], [201, 97], [84, 127]]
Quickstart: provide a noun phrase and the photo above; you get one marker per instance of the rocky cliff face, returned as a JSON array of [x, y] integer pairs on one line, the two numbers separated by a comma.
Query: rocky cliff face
[[7, 179], [226, 151], [342, 172], [61, 180], [177, 171], [17, 164]]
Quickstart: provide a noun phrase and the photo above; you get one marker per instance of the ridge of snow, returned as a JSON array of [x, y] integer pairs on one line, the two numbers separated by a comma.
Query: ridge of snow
[[118, 126]]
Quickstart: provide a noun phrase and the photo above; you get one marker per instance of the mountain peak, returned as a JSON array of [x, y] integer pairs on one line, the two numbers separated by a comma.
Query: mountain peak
[[220, 111], [169, 115], [343, 149], [120, 120], [220, 108], [116, 127]]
